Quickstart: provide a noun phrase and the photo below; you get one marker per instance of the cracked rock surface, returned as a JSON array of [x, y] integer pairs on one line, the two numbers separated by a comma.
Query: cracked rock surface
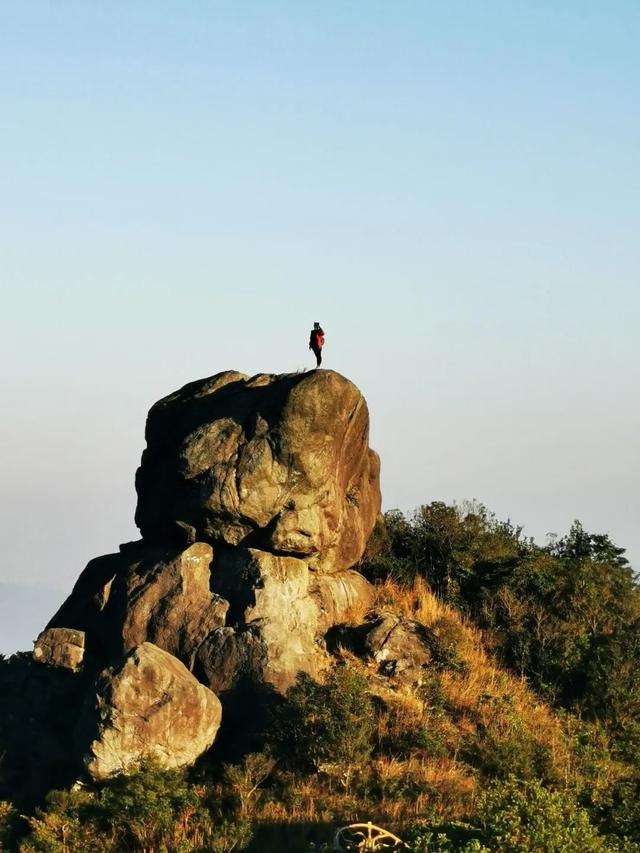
[[153, 594], [280, 463]]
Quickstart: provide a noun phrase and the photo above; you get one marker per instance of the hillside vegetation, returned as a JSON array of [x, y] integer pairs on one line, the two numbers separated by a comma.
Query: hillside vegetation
[[522, 734]]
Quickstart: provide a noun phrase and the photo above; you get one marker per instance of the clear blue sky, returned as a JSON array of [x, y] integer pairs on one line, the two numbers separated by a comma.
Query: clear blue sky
[[452, 189]]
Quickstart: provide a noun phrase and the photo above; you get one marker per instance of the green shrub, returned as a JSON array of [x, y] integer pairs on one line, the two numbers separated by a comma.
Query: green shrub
[[622, 817], [154, 807], [445, 838], [390, 551], [519, 817], [159, 810], [8, 824], [245, 779], [328, 725], [150, 810], [69, 821], [405, 732], [505, 747]]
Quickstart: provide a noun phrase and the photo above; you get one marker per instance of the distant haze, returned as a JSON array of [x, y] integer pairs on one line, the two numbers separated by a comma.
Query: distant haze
[[24, 611], [452, 190]]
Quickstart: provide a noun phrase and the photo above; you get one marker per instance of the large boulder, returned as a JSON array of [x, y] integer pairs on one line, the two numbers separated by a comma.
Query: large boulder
[[256, 496], [277, 463], [157, 594], [149, 706]]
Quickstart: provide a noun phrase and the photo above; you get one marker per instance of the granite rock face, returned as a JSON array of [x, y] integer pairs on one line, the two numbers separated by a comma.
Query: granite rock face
[[256, 497], [149, 706], [247, 614], [279, 611], [61, 647], [277, 463], [155, 594]]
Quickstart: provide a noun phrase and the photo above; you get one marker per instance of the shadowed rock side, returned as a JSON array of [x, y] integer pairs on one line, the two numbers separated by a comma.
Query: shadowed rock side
[[155, 594], [277, 463], [38, 709]]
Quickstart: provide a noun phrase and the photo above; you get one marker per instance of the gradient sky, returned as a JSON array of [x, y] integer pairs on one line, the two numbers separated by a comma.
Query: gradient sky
[[451, 189]]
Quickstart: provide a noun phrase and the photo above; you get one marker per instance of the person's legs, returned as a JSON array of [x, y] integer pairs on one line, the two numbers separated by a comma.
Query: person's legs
[[318, 353]]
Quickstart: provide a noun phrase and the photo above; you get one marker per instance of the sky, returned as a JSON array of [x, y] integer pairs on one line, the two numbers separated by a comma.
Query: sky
[[451, 189]]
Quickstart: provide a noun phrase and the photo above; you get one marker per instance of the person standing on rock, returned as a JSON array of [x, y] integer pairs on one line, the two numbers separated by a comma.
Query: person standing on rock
[[316, 342]]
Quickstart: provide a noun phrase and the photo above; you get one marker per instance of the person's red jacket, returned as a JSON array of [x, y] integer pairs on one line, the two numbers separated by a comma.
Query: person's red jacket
[[316, 339]]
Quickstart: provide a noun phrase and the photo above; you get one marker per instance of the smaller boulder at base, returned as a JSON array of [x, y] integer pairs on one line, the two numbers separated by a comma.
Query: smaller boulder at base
[[402, 648], [63, 647], [148, 706]]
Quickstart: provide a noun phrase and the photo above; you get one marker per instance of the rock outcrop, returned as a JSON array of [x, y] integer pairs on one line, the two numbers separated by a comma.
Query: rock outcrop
[[262, 621], [404, 650], [399, 646], [277, 463], [271, 489], [256, 497], [150, 706]]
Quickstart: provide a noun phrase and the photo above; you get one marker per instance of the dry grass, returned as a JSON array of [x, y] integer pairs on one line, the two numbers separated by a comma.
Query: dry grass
[[415, 601], [470, 698], [479, 693], [481, 677], [355, 613], [404, 791]]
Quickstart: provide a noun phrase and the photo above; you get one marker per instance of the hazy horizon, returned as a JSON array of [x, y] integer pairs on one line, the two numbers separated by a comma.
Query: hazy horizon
[[452, 191]]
